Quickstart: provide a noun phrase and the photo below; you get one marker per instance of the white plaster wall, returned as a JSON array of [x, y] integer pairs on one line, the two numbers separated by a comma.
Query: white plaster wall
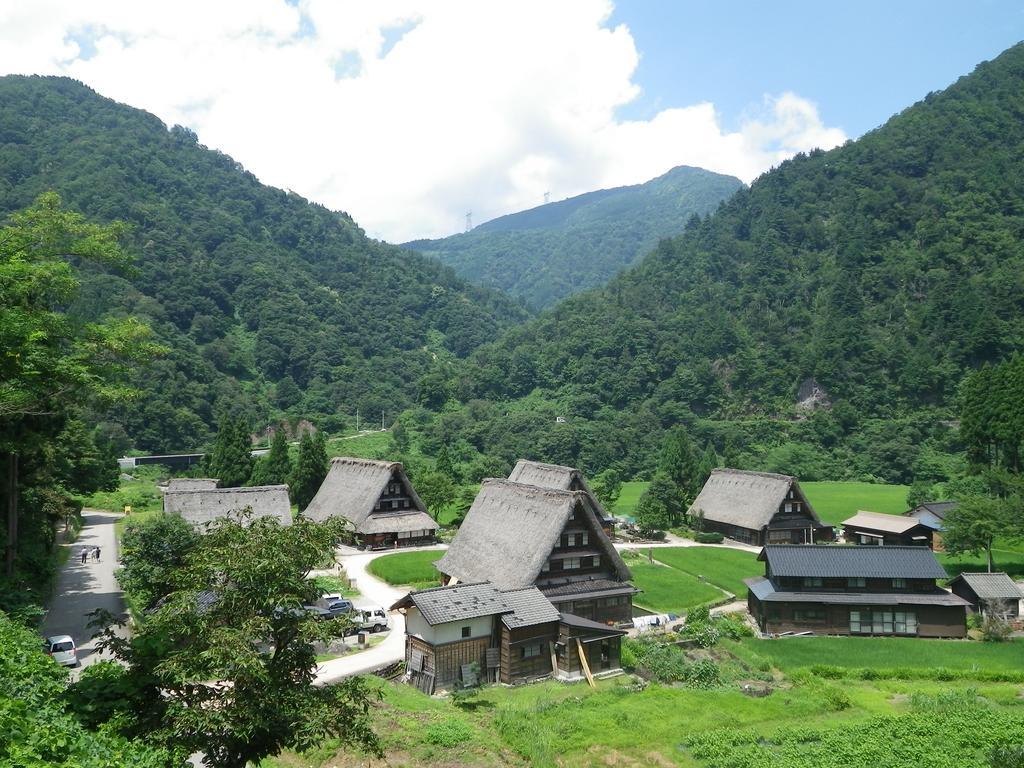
[[446, 633]]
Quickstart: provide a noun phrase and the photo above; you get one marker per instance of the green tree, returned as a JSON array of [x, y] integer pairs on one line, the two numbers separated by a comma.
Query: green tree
[[310, 468], [607, 486], [152, 550], [231, 458], [664, 490], [227, 664], [437, 491], [976, 522], [276, 467], [444, 463], [920, 492], [680, 463], [652, 515], [52, 364]]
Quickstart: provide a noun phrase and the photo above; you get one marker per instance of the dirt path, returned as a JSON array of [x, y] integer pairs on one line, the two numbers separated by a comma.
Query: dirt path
[[83, 587]]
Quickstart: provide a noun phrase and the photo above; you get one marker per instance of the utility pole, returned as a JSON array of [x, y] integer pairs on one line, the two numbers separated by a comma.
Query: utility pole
[[382, 421], [357, 421], [547, 197], [469, 220]]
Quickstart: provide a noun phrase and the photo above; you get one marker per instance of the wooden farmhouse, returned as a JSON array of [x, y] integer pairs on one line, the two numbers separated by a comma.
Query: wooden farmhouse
[[851, 590], [471, 632], [563, 478], [989, 592], [204, 505], [932, 514], [377, 499], [758, 508], [516, 536], [875, 528]]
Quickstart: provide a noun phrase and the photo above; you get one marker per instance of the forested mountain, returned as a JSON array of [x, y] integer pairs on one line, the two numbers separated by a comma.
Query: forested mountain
[[884, 270], [266, 301], [549, 252]]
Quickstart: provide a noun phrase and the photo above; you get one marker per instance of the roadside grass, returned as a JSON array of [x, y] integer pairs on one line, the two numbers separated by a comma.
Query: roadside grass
[[411, 568], [140, 493], [837, 501], [668, 590], [628, 498], [335, 585], [1006, 556], [367, 445], [789, 654], [725, 568]]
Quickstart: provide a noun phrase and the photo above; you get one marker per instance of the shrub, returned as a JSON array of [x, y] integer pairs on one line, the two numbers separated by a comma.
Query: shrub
[[703, 674], [708, 537]]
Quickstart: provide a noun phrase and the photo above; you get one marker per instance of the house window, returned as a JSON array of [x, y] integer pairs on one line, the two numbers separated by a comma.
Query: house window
[[812, 581], [571, 563], [899, 583], [546, 567], [584, 538], [789, 506], [530, 651], [467, 631], [855, 581], [883, 622], [777, 536], [809, 614]]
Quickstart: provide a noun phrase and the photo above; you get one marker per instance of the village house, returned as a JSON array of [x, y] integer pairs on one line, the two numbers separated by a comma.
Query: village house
[[191, 484], [875, 528], [516, 536], [378, 501], [202, 505], [474, 632], [932, 514], [758, 508], [852, 590], [989, 592], [564, 478]]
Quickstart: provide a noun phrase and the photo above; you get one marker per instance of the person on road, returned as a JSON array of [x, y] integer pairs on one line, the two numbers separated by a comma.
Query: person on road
[[85, 555], [96, 554]]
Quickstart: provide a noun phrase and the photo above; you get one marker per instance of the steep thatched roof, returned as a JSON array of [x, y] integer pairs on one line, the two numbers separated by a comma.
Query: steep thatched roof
[[511, 529], [192, 484], [203, 505], [745, 499], [352, 489], [555, 476]]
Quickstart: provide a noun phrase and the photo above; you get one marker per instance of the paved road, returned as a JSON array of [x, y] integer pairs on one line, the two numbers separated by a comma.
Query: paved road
[[82, 588]]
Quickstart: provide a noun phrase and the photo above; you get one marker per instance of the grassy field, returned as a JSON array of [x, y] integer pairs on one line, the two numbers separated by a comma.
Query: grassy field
[[667, 590], [628, 498], [368, 445], [412, 568], [835, 502], [886, 652], [725, 568]]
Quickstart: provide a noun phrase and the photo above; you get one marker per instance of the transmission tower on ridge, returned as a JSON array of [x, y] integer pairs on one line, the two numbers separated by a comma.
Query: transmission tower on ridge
[[547, 196], [469, 220]]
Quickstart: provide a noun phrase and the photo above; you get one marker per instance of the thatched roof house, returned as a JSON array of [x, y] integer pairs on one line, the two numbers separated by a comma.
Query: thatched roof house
[[556, 476], [517, 536], [191, 484], [758, 508], [203, 505], [377, 499]]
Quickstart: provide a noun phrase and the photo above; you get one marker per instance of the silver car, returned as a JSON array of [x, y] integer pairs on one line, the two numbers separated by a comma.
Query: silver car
[[62, 649]]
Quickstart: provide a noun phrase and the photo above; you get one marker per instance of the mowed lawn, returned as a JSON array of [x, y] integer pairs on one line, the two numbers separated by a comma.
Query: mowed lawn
[[413, 568], [668, 590], [725, 568], [889, 652], [837, 501]]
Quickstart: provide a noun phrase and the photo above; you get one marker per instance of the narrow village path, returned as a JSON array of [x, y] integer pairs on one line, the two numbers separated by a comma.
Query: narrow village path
[[671, 540], [83, 587], [372, 590]]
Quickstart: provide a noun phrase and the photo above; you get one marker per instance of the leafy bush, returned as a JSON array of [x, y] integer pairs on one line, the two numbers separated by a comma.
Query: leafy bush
[[708, 537], [449, 732], [703, 674]]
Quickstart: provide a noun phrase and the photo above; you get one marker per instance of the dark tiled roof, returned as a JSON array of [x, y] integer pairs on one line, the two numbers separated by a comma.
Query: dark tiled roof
[[457, 603], [578, 622], [765, 592], [991, 586], [529, 607], [588, 587], [838, 561]]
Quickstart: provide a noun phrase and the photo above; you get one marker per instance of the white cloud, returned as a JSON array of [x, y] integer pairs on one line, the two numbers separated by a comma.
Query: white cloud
[[404, 114]]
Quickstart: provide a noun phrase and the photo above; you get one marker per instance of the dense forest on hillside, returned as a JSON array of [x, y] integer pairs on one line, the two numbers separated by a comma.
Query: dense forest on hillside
[[879, 273], [266, 302], [558, 249]]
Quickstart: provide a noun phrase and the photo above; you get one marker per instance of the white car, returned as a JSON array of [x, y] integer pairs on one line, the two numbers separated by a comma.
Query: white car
[[62, 649], [369, 617]]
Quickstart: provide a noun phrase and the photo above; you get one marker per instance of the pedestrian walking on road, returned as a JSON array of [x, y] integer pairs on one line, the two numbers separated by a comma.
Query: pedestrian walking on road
[[96, 554], [85, 555]]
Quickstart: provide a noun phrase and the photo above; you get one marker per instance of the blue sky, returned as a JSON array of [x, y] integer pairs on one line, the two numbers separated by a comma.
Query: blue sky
[[860, 62]]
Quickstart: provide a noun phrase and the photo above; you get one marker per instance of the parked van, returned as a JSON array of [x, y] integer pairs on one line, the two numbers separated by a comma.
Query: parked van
[[369, 617]]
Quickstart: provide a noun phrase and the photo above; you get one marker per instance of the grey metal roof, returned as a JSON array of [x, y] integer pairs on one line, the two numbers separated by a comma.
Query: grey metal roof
[[765, 592], [843, 561], [352, 489], [877, 521], [745, 499], [578, 589], [529, 607], [203, 505], [991, 586], [440, 605], [511, 529], [572, 620], [759, 586], [555, 476]]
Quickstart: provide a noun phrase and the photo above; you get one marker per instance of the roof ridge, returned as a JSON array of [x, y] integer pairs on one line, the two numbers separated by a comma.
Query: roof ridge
[[539, 490], [246, 488], [755, 473], [365, 462]]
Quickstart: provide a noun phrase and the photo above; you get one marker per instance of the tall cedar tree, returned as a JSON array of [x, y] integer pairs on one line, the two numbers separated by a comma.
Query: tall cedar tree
[[231, 458], [227, 664], [310, 469], [680, 463], [276, 467]]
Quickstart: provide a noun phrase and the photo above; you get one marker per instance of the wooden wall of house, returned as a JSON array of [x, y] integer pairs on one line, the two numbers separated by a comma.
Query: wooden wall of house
[[776, 618], [515, 668], [852, 533], [615, 609], [445, 661], [569, 657]]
